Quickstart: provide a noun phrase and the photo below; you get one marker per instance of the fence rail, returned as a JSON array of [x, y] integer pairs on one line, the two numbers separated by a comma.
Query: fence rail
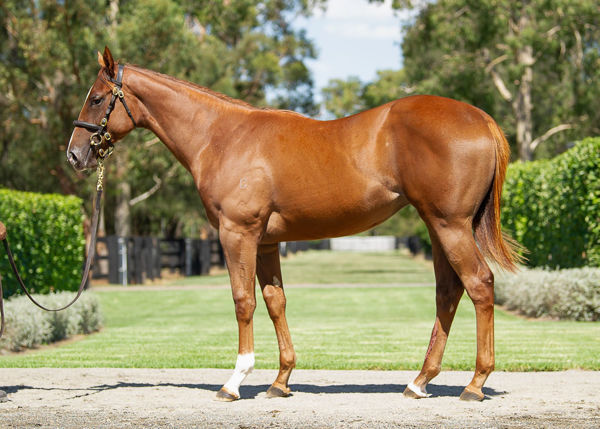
[[133, 260]]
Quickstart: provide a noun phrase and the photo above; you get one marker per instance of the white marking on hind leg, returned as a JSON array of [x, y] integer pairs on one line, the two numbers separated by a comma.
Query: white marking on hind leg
[[243, 367], [421, 393]]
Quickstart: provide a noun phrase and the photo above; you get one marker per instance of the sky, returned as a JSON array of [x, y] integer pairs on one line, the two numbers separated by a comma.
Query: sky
[[353, 38]]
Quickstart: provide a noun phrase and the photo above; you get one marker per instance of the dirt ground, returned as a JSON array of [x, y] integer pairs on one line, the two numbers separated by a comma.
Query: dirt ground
[[183, 398]]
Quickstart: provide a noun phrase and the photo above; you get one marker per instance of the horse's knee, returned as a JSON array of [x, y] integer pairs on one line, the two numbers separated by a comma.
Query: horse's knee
[[244, 307]]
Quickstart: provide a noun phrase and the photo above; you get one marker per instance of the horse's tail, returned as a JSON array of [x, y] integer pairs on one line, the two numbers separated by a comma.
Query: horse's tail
[[493, 243]]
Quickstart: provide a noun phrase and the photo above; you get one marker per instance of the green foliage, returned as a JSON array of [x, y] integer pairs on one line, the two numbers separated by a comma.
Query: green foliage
[[552, 207], [342, 97], [28, 326], [47, 67], [46, 236], [48, 49], [565, 294], [346, 97], [463, 49], [423, 233], [402, 224]]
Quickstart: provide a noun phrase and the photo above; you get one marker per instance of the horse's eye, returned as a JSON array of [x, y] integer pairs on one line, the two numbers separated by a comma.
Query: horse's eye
[[96, 101]]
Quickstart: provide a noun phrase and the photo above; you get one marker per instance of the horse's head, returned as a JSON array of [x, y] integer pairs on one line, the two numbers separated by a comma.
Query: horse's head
[[105, 118]]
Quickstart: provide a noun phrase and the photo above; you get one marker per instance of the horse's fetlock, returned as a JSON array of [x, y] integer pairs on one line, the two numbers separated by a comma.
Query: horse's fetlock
[[487, 368], [287, 360]]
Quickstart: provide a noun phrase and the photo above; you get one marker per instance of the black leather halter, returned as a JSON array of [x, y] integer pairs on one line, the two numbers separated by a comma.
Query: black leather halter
[[100, 140]]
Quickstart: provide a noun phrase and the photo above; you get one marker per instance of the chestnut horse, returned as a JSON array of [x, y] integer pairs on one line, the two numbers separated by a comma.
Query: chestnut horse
[[267, 176]]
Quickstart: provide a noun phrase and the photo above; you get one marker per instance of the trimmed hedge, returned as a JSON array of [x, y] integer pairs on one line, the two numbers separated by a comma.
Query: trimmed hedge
[[28, 326], [552, 207], [45, 233], [564, 294]]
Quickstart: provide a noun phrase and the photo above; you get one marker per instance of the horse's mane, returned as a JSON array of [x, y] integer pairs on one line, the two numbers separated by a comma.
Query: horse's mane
[[206, 90]]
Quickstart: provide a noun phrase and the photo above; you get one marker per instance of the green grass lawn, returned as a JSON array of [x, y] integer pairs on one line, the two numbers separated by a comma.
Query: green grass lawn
[[332, 328], [327, 267]]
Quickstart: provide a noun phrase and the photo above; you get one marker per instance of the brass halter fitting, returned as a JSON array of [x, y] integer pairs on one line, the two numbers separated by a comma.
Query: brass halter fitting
[[99, 184]]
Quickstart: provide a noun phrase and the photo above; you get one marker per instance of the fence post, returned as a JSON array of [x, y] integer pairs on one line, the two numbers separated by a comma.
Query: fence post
[[117, 259], [122, 260], [156, 258], [138, 260], [204, 257], [147, 257], [188, 269], [113, 259]]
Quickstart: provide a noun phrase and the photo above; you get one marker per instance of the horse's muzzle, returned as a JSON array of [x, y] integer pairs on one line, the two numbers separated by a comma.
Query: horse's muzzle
[[81, 161]]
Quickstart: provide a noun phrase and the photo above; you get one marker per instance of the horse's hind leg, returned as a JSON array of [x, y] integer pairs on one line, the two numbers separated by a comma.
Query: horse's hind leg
[[449, 290], [269, 277], [458, 244]]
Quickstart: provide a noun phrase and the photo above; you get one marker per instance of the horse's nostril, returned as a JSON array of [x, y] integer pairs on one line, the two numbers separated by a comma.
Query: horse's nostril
[[72, 158]]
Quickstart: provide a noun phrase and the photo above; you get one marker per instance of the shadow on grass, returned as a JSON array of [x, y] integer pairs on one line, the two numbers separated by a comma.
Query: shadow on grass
[[252, 391]]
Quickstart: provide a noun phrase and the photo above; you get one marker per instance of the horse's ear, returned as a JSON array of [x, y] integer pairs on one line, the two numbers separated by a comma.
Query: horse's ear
[[109, 62], [101, 60]]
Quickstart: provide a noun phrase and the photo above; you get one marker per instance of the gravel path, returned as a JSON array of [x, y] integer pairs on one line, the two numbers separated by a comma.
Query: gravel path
[[182, 398]]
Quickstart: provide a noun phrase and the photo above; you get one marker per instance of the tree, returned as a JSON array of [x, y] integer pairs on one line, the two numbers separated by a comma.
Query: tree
[[346, 97], [45, 69], [533, 64], [238, 47], [343, 97]]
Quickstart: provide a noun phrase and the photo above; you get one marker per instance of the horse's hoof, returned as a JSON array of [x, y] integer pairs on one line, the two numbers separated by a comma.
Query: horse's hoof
[[415, 392], [224, 395], [410, 394], [276, 392], [3, 397], [468, 395]]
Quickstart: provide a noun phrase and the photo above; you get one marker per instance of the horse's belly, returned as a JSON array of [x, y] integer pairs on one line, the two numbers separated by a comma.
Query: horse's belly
[[333, 218]]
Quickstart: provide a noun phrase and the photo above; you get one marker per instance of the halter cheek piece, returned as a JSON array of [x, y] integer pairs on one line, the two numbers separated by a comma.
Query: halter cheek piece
[[100, 140]]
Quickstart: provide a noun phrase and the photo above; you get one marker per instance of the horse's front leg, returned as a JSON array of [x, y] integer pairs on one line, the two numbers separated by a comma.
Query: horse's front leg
[[239, 245]]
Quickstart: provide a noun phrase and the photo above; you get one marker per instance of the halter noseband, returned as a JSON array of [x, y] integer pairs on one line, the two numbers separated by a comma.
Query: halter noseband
[[100, 133]]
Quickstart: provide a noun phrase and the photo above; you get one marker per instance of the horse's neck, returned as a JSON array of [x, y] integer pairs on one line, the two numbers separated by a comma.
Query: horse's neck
[[181, 115]]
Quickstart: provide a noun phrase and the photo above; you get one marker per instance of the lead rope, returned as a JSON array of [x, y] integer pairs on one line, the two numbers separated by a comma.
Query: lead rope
[[88, 263]]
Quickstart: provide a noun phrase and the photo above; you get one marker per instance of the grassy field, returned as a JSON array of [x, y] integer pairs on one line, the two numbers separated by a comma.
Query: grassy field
[[356, 327], [348, 267]]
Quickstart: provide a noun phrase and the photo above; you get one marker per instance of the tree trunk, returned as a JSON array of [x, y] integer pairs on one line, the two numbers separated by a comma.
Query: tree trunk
[[122, 211], [523, 105]]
